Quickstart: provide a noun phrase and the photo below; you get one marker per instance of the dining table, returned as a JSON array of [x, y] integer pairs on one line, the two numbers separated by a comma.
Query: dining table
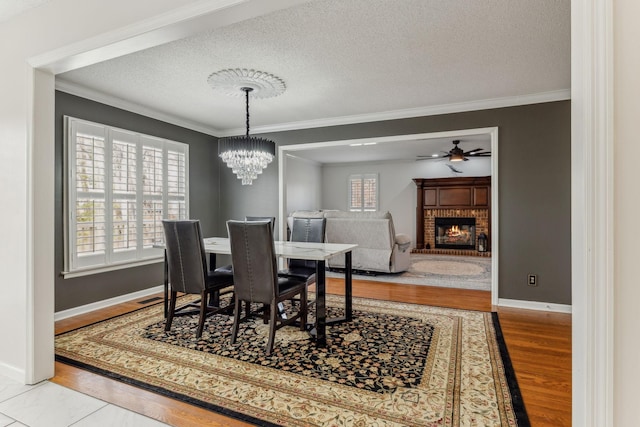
[[319, 252]]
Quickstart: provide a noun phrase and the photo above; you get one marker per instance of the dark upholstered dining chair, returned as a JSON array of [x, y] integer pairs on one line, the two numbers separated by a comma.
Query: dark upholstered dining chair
[[305, 230], [255, 276], [228, 269], [271, 219], [188, 272]]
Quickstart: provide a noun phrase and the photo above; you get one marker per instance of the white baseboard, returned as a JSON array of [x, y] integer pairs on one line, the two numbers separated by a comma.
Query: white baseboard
[[13, 373], [534, 305], [59, 315]]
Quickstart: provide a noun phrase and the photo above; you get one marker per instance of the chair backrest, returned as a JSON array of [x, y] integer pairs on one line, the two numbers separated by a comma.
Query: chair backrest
[[271, 219], [185, 255], [307, 230], [255, 271]]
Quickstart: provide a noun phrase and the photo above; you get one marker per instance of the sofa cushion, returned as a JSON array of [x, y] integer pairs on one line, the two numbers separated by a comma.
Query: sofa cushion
[[367, 233]]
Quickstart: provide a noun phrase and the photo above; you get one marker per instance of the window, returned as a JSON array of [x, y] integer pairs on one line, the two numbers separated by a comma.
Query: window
[[120, 185], [363, 192]]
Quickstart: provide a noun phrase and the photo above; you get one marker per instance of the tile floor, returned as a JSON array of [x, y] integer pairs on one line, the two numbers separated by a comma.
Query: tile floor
[[50, 405]]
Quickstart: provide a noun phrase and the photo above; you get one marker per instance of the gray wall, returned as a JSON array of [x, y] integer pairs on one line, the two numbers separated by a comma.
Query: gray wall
[[203, 195], [304, 184], [535, 188]]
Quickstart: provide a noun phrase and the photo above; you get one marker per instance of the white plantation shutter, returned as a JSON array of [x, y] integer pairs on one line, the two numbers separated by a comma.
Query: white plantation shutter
[[87, 207], [363, 192], [123, 195], [355, 193], [370, 193], [121, 185], [153, 179], [176, 183]]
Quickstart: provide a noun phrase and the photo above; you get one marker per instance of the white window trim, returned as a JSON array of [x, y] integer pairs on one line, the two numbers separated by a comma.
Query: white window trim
[[363, 176], [113, 261]]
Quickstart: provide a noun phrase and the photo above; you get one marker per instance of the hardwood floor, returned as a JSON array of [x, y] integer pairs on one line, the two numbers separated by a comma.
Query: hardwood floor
[[539, 344]]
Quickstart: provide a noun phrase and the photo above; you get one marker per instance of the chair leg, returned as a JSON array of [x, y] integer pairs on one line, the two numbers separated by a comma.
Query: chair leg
[[303, 309], [236, 320], [203, 313], [172, 310], [266, 310], [214, 299], [272, 327]]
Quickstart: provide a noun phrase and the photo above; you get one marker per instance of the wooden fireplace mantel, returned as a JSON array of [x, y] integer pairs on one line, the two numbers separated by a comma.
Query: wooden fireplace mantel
[[449, 193]]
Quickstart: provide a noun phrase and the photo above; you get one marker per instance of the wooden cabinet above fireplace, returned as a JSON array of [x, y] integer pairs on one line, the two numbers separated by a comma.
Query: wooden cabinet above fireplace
[[454, 192], [451, 197]]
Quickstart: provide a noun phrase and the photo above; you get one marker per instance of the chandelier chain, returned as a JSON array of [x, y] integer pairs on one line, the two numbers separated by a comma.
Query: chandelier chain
[[246, 91]]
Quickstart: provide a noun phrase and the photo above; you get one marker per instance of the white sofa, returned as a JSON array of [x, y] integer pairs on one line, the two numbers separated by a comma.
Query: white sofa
[[379, 249]]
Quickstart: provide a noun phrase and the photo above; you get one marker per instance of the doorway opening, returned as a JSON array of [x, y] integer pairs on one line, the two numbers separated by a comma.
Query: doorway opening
[[291, 151]]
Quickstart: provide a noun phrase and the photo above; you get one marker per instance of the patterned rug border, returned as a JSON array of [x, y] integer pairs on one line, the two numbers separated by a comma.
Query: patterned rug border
[[167, 393], [514, 389], [510, 374]]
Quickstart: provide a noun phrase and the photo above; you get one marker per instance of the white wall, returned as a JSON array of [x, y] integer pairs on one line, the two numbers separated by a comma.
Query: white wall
[[304, 184], [397, 189], [626, 351]]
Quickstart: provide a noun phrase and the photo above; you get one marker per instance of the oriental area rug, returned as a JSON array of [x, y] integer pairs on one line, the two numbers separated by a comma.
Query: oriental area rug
[[394, 365]]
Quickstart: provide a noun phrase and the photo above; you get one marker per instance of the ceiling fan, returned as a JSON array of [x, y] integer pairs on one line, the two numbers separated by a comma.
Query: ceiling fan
[[457, 154]]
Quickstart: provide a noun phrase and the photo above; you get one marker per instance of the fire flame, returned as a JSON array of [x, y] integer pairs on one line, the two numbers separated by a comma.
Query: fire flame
[[454, 231]]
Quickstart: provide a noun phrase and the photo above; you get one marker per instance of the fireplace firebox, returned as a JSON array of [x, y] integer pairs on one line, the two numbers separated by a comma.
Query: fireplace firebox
[[455, 233]]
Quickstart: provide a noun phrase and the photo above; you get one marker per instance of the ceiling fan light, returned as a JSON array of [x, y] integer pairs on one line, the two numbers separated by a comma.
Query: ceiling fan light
[[456, 157]]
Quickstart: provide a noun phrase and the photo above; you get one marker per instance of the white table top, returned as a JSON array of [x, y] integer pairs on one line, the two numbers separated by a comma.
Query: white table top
[[298, 250]]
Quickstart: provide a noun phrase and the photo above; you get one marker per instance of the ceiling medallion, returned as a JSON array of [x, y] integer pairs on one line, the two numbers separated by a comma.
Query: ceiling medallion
[[232, 81], [246, 155]]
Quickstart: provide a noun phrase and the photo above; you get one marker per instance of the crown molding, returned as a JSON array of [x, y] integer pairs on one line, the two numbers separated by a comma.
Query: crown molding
[[536, 98], [97, 96], [485, 104]]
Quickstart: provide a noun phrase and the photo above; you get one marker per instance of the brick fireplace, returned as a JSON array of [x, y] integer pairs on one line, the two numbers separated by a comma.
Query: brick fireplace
[[451, 199], [482, 226]]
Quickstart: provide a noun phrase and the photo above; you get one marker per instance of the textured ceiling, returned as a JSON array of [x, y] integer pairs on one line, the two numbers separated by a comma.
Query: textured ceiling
[[11, 8], [350, 58]]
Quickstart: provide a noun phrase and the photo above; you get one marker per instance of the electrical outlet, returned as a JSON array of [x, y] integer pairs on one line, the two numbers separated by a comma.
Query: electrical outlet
[[532, 280]]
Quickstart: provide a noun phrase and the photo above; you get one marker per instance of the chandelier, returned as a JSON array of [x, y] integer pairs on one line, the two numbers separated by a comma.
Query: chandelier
[[246, 155]]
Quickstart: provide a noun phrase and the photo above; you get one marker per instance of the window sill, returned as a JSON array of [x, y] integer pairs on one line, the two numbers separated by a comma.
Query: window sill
[[107, 268]]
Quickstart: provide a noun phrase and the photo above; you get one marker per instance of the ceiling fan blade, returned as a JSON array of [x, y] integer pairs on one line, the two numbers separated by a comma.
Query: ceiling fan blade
[[430, 156], [453, 169], [419, 159], [466, 153]]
